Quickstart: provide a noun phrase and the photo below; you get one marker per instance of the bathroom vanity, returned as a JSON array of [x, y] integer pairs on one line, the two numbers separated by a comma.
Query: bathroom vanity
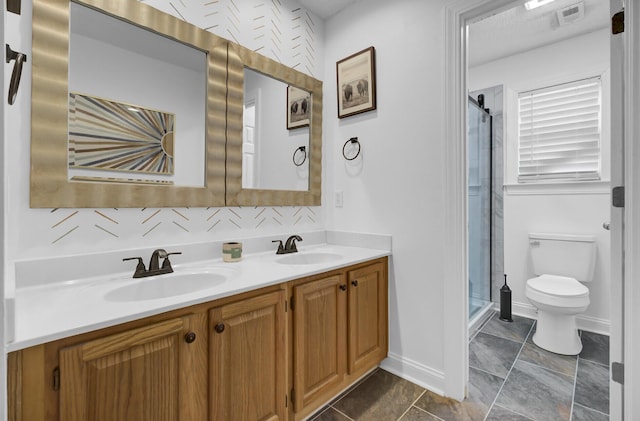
[[276, 348]]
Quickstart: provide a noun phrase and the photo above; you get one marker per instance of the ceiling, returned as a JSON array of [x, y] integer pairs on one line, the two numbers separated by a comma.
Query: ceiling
[[517, 30], [510, 32], [325, 8]]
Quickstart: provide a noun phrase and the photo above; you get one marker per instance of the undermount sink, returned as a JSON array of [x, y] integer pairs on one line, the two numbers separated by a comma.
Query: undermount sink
[[164, 286], [309, 258]]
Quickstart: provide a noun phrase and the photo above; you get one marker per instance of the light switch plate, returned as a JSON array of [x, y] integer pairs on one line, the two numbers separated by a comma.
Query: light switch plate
[[339, 199]]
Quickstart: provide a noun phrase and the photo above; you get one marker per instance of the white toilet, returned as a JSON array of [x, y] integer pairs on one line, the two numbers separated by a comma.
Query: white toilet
[[561, 262]]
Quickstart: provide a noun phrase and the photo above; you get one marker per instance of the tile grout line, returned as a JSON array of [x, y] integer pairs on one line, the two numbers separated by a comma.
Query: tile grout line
[[410, 406], [341, 413], [591, 409], [524, 341], [421, 410], [575, 381], [488, 372], [346, 392], [547, 368], [413, 405], [502, 337], [479, 329], [515, 412]]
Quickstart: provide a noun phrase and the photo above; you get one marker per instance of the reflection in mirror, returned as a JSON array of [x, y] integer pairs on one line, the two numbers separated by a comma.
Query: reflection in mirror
[[130, 69], [304, 186], [137, 103], [268, 146]]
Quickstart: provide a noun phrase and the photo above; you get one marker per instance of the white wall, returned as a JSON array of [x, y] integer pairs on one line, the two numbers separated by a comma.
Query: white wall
[[567, 208], [396, 186], [36, 233]]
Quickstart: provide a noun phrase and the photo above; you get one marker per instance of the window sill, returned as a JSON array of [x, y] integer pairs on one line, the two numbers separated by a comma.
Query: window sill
[[584, 187]]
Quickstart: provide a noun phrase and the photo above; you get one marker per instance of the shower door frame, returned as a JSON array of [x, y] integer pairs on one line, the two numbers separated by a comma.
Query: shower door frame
[[491, 186]]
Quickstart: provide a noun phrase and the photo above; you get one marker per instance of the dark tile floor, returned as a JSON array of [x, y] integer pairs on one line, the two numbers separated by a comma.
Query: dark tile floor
[[510, 378]]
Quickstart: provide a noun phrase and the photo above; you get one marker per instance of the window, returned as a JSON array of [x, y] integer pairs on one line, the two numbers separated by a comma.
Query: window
[[559, 132]]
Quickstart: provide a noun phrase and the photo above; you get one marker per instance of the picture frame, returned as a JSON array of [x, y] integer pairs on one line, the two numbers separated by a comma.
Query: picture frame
[[114, 136], [298, 107], [356, 83]]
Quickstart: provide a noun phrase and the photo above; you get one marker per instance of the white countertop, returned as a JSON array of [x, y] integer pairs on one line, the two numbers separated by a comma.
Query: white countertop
[[46, 312]]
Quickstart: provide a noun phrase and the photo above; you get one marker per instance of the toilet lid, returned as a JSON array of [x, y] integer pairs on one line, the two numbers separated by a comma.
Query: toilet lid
[[558, 285]]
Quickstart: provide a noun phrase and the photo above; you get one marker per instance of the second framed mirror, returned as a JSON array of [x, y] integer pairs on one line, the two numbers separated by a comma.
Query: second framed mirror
[[274, 133]]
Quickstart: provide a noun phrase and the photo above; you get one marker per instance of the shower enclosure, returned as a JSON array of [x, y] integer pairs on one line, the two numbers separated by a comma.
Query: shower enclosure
[[479, 152]]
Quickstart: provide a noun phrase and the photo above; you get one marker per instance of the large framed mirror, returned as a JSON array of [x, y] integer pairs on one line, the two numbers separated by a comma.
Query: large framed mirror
[[274, 133], [128, 107]]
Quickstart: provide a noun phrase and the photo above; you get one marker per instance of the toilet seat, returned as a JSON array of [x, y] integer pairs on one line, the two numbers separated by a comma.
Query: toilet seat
[[560, 286], [559, 293]]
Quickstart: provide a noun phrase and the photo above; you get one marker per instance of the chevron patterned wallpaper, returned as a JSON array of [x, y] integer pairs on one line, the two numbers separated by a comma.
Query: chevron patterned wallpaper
[[279, 29]]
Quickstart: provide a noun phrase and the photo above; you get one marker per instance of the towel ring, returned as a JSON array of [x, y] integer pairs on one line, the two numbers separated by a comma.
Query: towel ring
[[300, 156], [351, 149]]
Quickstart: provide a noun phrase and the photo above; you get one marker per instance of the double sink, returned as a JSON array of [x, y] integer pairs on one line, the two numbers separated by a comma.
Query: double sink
[[189, 280]]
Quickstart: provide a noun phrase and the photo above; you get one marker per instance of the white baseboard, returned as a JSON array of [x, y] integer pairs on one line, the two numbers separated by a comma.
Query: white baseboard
[[595, 325], [588, 323], [524, 310], [415, 372]]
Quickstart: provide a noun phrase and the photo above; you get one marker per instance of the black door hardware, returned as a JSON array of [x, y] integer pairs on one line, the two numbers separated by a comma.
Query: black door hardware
[[17, 72]]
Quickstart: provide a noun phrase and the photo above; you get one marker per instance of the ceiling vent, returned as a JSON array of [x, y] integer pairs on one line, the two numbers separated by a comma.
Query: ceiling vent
[[570, 14]]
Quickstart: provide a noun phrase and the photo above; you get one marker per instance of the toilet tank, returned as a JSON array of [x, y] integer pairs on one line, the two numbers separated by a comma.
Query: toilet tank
[[563, 254]]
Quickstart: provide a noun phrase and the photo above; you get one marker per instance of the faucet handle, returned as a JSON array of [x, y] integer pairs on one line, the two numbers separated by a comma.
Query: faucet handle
[[280, 246], [166, 264], [140, 268]]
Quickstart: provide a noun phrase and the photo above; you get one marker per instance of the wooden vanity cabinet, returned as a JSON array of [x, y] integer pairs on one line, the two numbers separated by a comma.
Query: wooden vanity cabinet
[[339, 331], [319, 338], [248, 359], [368, 318], [150, 373], [253, 356], [172, 366]]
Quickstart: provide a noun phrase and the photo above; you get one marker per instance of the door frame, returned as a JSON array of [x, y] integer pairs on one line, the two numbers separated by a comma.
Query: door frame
[[454, 196], [631, 210], [456, 361], [616, 215]]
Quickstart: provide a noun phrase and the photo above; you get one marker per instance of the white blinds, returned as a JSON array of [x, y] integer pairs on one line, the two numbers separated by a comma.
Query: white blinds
[[559, 132]]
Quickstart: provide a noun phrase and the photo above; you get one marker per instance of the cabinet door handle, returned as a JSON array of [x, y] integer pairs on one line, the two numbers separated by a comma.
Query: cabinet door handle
[[343, 287], [354, 283], [190, 337], [219, 328]]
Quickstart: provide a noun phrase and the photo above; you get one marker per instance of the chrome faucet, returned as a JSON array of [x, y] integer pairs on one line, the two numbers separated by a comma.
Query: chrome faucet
[[154, 264]]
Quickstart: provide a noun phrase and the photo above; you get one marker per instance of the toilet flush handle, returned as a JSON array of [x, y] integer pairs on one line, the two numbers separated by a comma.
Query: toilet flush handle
[[606, 226]]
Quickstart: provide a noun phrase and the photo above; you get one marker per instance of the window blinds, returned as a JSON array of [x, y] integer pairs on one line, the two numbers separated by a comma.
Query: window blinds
[[559, 132]]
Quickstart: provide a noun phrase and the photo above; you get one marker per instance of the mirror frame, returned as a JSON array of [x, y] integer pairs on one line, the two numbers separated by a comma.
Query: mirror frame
[[240, 57], [49, 185]]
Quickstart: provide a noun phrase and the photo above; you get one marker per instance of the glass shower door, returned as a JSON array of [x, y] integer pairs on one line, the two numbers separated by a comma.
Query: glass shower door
[[479, 211]]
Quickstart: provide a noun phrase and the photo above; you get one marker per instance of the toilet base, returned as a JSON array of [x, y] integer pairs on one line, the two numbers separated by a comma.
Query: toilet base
[[557, 333]]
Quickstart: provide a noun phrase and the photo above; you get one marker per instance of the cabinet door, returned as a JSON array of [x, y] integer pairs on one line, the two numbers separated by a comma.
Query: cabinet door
[[367, 317], [319, 324], [147, 374], [248, 359]]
